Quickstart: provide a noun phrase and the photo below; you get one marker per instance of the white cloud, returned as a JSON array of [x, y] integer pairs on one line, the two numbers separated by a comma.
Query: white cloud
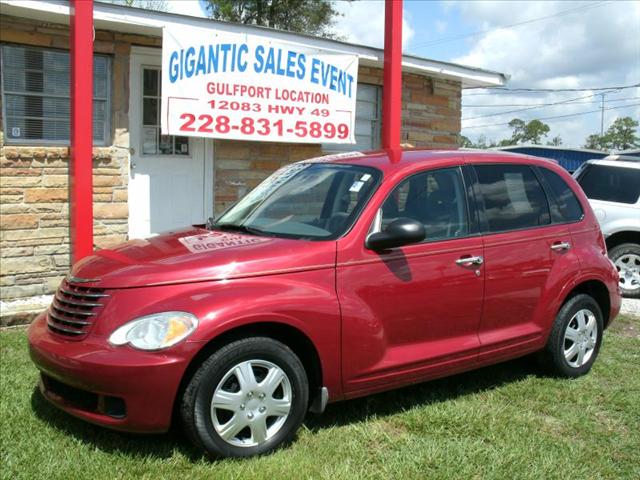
[[363, 23], [441, 26], [594, 46]]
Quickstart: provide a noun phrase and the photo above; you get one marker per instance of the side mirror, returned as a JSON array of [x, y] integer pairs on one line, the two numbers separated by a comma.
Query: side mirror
[[403, 231]]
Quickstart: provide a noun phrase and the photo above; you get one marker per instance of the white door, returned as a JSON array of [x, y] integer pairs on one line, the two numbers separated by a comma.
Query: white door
[[171, 177]]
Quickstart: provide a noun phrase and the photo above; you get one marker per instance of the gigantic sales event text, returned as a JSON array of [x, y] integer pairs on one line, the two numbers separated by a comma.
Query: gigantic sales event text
[[238, 57]]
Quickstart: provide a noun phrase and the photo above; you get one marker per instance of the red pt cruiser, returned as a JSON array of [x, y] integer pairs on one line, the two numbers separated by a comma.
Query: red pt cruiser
[[335, 278]]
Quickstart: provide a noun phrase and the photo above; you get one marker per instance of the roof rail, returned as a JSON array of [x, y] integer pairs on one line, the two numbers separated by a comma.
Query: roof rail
[[625, 158]]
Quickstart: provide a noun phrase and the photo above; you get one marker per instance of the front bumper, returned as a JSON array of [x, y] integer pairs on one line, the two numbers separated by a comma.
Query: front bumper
[[116, 387]]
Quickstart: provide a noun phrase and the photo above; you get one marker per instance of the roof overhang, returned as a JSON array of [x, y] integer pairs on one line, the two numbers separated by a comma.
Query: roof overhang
[[150, 23]]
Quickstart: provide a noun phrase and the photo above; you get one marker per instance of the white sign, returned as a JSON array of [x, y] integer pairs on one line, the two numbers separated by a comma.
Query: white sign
[[248, 87], [218, 241]]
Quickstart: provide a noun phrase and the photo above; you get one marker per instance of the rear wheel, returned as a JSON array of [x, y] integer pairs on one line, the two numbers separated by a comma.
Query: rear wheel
[[246, 399], [575, 338], [626, 258]]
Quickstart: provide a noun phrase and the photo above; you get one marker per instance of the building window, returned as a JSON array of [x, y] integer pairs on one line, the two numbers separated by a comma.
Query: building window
[[35, 96], [368, 115], [153, 142]]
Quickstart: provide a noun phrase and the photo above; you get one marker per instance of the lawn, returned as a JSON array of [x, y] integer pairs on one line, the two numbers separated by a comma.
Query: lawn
[[505, 421]]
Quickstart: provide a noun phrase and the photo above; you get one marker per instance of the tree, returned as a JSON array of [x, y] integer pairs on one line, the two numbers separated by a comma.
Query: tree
[[621, 135], [506, 142], [555, 141], [523, 132], [313, 17], [595, 142], [534, 131], [482, 142], [527, 132], [518, 127], [465, 142], [157, 5]]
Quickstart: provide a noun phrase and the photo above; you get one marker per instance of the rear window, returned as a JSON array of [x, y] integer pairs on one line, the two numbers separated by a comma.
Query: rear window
[[569, 209], [513, 197], [611, 184]]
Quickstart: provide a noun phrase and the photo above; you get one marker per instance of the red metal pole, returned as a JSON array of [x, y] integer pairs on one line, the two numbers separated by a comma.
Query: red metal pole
[[392, 78], [81, 165]]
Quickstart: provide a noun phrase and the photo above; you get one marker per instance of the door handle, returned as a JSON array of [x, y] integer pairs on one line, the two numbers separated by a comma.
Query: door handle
[[561, 246], [470, 261]]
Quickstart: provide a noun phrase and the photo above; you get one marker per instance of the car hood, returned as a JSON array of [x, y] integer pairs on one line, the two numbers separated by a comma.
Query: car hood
[[196, 255]]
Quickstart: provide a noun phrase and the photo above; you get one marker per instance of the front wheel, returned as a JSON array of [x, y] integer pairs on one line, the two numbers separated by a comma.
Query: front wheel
[[575, 338], [247, 398]]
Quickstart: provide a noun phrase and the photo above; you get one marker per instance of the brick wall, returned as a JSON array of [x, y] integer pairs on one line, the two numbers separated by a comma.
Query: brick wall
[[431, 108], [34, 208], [34, 214]]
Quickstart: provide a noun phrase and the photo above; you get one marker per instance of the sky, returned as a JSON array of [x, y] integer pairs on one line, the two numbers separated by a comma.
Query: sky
[[581, 45]]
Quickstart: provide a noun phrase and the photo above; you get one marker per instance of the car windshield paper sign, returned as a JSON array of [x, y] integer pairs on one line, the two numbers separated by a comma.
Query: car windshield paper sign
[[247, 87]]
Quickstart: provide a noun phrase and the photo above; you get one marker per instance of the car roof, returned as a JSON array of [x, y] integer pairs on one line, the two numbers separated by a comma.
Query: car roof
[[627, 158], [615, 163], [400, 160]]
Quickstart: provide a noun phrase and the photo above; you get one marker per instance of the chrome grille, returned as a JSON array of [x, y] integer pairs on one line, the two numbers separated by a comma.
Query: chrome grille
[[74, 309]]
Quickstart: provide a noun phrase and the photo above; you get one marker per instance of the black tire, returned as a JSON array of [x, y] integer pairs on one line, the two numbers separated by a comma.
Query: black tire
[[615, 254], [196, 400], [553, 357]]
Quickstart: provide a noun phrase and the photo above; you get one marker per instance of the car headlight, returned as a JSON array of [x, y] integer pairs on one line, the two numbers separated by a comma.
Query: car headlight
[[155, 332]]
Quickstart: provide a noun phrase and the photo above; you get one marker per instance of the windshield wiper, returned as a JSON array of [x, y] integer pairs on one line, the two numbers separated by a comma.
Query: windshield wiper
[[240, 228]]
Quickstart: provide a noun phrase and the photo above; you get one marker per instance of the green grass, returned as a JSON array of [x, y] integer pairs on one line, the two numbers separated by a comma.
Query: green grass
[[506, 421]]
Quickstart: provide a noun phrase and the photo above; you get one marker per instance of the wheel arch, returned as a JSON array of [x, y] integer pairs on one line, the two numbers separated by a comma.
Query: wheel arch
[[291, 336], [618, 238], [598, 291]]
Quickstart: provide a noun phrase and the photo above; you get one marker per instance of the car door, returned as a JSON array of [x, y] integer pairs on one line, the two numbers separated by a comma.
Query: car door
[[526, 254], [413, 312]]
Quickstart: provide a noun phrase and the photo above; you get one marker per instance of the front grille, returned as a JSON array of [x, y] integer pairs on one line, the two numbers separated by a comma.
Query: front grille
[[74, 309]]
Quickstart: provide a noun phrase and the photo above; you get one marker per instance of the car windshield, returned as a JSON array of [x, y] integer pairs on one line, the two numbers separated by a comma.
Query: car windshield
[[609, 183], [305, 201]]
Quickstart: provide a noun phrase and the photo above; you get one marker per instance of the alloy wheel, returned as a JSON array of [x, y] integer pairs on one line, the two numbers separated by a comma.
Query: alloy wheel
[[628, 266]]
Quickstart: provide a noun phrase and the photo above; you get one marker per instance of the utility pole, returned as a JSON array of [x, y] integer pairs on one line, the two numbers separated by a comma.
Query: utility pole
[[602, 116]]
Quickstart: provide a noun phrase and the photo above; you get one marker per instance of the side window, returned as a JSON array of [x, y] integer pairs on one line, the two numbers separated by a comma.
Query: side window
[[435, 198], [568, 205], [513, 197]]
